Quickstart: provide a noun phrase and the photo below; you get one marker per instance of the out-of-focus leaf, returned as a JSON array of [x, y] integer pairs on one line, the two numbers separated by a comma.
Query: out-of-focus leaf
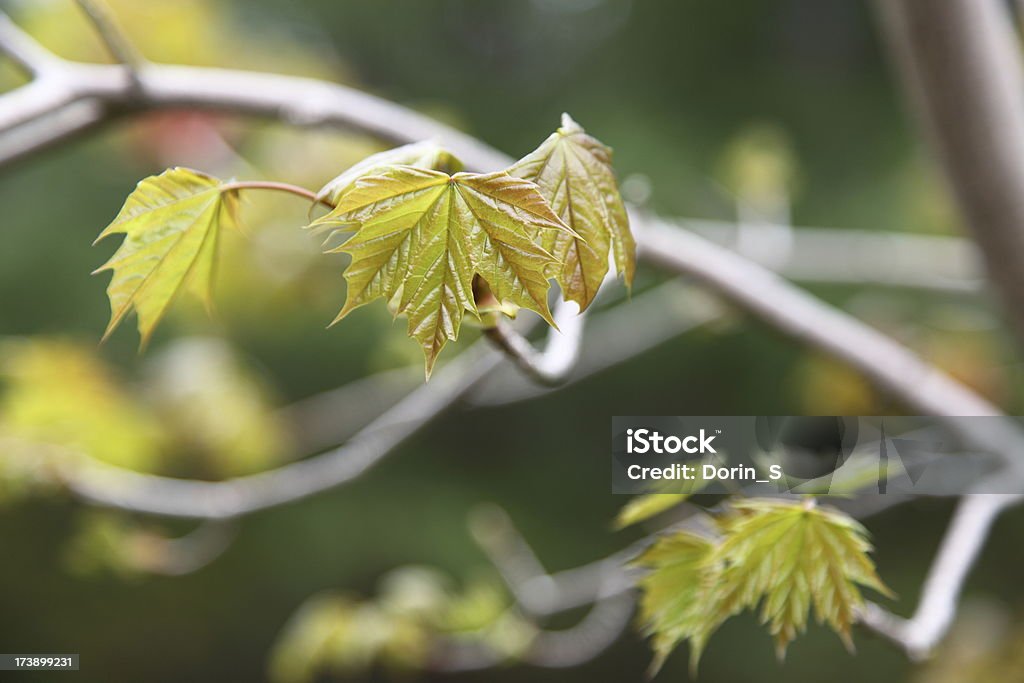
[[426, 154], [332, 633], [786, 557], [478, 607], [56, 392], [416, 609], [646, 506], [415, 591], [574, 173], [422, 235], [216, 408], [666, 496], [673, 607], [26, 468], [171, 224], [102, 544], [789, 557], [760, 168]]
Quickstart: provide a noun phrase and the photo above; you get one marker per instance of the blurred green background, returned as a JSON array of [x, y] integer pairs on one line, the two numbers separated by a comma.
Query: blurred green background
[[676, 88]]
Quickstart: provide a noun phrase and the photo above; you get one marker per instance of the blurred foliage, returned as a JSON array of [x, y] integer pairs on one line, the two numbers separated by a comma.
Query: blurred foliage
[[779, 556], [759, 166], [201, 411], [216, 408], [669, 494], [60, 392], [105, 543], [183, 32], [417, 612]]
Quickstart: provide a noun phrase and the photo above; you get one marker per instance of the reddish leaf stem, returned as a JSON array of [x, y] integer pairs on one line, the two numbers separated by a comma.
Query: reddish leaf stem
[[278, 187]]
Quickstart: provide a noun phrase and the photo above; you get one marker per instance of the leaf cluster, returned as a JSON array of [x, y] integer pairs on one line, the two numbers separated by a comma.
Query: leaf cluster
[[422, 234], [780, 557], [416, 612]]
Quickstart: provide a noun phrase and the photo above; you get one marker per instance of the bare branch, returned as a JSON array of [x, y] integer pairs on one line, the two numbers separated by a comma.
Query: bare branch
[[189, 553], [865, 257], [652, 318], [601, 627], [331, 417], [118, 44], [310, 101], [961, 63], [552, 367], [123, 489], [554, 649], [936, 609], [29, 55], [298, 101], [514, 559], [51, 130], [885, 362]]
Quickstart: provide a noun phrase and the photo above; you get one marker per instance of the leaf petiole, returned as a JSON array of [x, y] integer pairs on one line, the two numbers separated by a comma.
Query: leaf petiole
[[277, 187]]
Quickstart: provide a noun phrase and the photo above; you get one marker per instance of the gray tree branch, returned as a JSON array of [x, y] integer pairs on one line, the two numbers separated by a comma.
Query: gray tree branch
[[961, 64]]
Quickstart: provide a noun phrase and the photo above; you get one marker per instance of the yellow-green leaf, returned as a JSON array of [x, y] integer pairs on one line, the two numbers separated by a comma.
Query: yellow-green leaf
[[675, 594], [427, 154], [171, 224], [422, 235], [788, 558], [574, 173], [646, 506], [665, 496]]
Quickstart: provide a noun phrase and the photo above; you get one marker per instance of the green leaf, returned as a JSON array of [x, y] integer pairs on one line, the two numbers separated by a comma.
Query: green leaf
[[574, 173], [171, 224], [675, 594], [785, 557], [644, 507], [665, 496], [427, 154], [789, 557], [422, 235]]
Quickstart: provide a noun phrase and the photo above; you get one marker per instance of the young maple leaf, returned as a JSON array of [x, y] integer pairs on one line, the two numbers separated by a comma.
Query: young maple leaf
[[421, 235], [676, 592], [786, 557], [574, 173], [790, 557], [426, 154], [172, 225]]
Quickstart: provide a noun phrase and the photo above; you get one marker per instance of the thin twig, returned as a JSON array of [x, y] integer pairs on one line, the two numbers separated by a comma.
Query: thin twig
[[275, 186], [117, 43], [549, 648], [651, 318], [552, 366], [189, 553]]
